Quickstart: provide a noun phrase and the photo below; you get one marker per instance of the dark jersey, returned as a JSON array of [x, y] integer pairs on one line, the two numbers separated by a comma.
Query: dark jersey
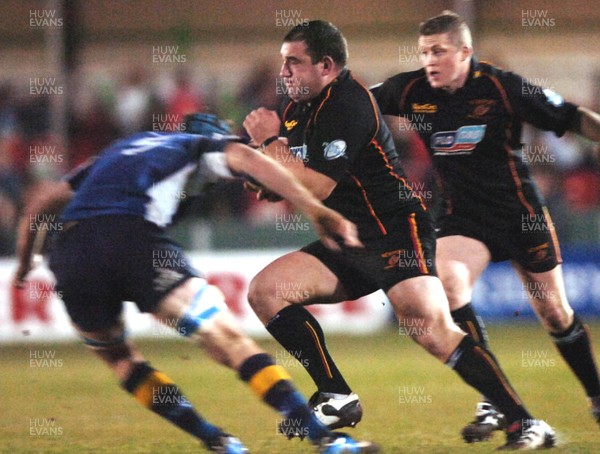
[[341, 134], [474, 135], [146, 175]]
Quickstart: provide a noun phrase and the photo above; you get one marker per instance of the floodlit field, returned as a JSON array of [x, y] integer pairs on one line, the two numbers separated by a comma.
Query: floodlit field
[[58, 398]]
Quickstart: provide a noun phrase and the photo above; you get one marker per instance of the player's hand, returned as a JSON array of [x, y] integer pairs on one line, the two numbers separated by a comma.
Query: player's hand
[[332, 228], [261, 124]]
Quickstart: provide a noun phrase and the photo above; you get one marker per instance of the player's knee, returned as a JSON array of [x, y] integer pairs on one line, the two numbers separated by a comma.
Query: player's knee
[[207, 303], [456, 290], [260, 293], [555, 318]]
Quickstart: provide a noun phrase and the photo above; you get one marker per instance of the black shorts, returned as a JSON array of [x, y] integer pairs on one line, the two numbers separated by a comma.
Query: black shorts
[[103, 261], [408, 250], [529, 240]]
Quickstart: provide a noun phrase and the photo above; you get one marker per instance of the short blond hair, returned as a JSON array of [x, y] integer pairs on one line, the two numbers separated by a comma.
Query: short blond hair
[[448, 22]]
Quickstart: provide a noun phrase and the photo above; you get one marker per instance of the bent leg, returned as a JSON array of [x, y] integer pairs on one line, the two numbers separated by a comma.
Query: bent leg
[[150, 387], [277, 295], [548, 297], [423, 299], [200, 313]]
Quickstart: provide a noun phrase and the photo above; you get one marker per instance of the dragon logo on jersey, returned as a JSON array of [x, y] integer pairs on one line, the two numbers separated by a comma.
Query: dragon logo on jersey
[[291, 124], [462, 141]]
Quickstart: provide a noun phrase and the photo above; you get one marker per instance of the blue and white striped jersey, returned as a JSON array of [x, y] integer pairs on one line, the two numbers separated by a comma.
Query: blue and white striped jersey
[[147, 174]]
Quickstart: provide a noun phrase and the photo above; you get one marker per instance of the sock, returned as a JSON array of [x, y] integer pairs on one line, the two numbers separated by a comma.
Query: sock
[[301, 335], [273, 385], [472, 324], [575, 347], [478, 367], [159, 394]]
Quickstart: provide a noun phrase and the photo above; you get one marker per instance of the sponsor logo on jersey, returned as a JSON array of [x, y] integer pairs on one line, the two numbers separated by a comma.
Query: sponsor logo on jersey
[[462, 141], [334, 149], [289, 125], [299, 152], [424, 108]]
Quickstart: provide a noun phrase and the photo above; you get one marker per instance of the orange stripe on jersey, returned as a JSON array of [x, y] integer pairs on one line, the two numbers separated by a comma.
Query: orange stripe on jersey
[[418, 247], [511, 159], [405, 93], [320, 106], [313, 333], [369, 206], [373, 105], [552, 234], [290, 104], [391, 171]]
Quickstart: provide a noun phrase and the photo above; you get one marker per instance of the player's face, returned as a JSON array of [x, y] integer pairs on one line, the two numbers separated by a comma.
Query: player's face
[[445, 64], [302, 78]]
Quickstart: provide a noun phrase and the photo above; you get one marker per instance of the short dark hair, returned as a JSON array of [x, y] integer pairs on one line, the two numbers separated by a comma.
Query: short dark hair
[[448, 22], [322, 39]]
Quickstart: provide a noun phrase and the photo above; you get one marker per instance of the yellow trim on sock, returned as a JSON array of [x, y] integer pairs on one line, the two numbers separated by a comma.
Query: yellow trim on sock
[[145, 391], [266, 378]]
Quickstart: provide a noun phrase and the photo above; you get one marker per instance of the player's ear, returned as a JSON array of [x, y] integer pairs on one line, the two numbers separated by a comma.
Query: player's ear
[[328, 65], [467, 53]]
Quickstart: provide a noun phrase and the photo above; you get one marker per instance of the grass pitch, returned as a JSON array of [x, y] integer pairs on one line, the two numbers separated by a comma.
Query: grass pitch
[[66, 400]]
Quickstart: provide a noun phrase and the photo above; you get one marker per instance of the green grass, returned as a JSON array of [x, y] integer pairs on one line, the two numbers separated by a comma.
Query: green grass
[[92, 414]]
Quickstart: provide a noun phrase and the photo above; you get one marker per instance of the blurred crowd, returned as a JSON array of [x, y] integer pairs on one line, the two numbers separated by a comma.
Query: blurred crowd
[[567, 169]]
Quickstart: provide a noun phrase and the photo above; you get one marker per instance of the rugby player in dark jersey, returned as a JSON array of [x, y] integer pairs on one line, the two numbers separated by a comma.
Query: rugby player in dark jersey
[[470, 115], [331, 135], [115, 212]]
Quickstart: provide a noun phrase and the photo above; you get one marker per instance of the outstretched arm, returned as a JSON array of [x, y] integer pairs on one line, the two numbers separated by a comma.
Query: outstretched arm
[[46, 202], [329, 224]]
